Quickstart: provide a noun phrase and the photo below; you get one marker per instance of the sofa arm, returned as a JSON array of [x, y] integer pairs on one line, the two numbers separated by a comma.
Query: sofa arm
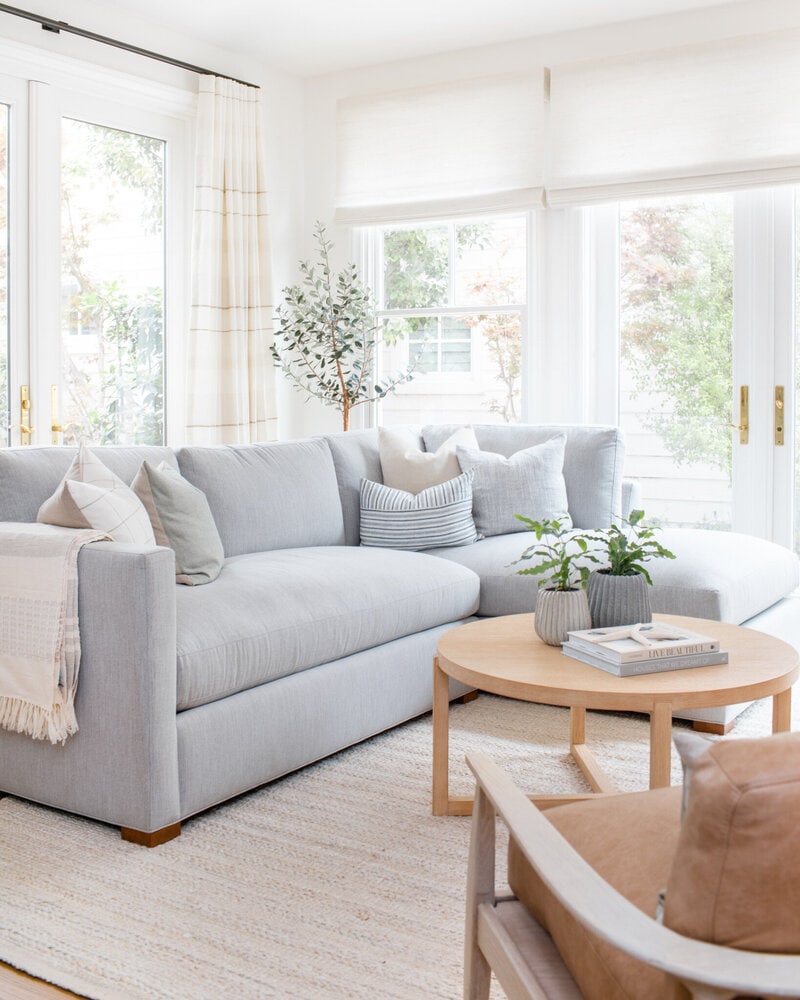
[[122, 765], [631, 496]]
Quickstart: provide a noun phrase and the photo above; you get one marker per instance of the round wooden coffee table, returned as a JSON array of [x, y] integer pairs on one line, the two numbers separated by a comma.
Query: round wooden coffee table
[[504, 656]]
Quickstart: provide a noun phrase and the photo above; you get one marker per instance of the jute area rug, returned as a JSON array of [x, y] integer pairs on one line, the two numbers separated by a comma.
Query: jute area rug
[[335, 883]]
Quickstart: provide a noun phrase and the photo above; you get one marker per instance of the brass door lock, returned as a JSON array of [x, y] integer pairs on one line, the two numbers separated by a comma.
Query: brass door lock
[[779, 415]]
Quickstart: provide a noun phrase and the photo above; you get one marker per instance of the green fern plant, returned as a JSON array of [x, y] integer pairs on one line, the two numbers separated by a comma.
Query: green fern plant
[[563, 555], [628, 550]]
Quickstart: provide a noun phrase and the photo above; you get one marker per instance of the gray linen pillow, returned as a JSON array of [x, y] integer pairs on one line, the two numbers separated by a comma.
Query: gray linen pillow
[[182, 521], [530, 482]]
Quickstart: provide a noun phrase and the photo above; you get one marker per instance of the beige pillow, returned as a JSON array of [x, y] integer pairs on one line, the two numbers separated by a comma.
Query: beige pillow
[[91, 496], [182, 521], [735, 878], [407, 467]]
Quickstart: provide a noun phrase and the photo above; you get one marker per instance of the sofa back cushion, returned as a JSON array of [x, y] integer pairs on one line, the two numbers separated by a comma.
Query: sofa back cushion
[[355, 457], [268, 496], [593, 460], [28, 476]]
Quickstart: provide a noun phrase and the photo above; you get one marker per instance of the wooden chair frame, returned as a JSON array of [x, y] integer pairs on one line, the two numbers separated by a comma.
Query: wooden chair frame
[[502, 936]]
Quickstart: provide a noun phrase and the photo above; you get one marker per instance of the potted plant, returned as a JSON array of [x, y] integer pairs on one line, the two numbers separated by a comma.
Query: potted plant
[[619, 594], [562, 556], [326, 338]]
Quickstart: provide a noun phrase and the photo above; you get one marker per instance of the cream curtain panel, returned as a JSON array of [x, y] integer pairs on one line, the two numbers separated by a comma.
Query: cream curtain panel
[[467, 146], [230, 375]]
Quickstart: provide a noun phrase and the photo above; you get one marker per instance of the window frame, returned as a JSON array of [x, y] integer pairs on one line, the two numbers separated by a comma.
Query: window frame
[[367, 243]]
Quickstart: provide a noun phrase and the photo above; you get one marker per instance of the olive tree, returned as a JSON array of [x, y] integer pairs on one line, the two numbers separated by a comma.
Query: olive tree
[[327, 336]]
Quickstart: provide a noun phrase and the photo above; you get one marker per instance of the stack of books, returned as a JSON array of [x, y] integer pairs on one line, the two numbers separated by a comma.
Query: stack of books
[[643, 648]]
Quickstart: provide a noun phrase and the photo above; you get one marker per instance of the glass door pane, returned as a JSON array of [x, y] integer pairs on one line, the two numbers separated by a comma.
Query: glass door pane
[[796, 376], [676, 356], [5, 417], [112, 285]]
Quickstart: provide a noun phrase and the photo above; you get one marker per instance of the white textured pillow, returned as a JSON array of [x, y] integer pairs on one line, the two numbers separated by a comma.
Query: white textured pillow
[[406, 467], [438, 517], [531, 483], [91, 496]]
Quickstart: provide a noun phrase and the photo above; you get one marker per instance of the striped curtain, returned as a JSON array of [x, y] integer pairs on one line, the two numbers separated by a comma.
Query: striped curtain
[[230, 379]]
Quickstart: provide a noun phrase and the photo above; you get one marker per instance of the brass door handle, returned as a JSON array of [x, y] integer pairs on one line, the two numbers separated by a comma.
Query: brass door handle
[[743, 427], [22, 428], [779, 419], [25, 429]]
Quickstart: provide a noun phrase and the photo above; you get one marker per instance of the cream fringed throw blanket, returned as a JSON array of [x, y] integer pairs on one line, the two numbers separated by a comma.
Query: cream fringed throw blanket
[[39, 643]]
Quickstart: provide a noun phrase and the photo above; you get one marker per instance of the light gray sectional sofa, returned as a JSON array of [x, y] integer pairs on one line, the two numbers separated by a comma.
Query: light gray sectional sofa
[[307, 642]]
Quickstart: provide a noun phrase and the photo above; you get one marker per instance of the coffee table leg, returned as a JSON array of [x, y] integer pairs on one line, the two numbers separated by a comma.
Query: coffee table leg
[[782, 711], [441, 739], [599, 782], [577, 725], [661, 745]]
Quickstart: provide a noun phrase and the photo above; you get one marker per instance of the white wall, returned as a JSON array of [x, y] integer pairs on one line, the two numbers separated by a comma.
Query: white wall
[[283, 100], [559, 271]]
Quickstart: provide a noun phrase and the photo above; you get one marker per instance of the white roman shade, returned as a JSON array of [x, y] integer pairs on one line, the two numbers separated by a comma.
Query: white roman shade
[[449, 149], [721, 115]]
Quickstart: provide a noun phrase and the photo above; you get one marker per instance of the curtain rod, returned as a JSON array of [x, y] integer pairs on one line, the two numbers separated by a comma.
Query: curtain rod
[[56, 27]]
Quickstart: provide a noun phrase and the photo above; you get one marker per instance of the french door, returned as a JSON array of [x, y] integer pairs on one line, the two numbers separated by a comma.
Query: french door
[[93, 219], [706, 388]]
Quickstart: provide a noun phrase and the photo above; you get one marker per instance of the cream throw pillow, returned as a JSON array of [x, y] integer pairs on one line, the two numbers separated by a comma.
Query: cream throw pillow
[[406, 467], [91, 496]]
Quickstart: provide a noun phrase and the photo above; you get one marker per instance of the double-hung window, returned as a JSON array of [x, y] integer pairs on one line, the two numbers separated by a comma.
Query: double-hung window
[[452, 304]]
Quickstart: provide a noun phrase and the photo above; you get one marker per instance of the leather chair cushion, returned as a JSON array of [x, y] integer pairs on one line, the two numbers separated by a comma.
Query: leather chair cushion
[[630, 840]]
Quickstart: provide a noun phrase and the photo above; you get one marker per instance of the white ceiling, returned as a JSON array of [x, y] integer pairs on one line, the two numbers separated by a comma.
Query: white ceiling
[[310, 37]]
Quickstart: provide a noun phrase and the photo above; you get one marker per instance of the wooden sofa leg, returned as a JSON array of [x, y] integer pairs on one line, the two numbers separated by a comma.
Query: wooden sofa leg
[[469, 696], [151, 839], [715, 728]]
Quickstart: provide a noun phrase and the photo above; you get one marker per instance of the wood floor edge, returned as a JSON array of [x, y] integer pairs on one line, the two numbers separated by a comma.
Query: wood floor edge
[[18, 985]]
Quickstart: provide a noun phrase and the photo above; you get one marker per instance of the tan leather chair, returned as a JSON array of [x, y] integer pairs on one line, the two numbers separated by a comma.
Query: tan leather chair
[[581, 924]]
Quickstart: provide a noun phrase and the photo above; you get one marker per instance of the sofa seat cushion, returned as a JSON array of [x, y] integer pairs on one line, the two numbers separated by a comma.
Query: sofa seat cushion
[[722, 575], [503, 591], [630, 840], [270, 614]]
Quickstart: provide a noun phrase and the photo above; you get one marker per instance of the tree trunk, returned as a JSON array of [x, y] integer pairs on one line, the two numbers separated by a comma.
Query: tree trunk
[[346, 414]]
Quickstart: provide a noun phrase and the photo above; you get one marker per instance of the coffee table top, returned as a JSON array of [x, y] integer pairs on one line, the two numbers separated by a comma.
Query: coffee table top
[[505, 656]]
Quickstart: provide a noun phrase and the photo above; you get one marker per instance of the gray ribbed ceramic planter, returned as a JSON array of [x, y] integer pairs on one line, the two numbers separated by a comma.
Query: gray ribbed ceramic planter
[[618, 600], [559, 612]]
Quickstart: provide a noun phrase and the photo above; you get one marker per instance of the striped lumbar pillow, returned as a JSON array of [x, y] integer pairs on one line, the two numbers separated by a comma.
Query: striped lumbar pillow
[[437, 517]]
